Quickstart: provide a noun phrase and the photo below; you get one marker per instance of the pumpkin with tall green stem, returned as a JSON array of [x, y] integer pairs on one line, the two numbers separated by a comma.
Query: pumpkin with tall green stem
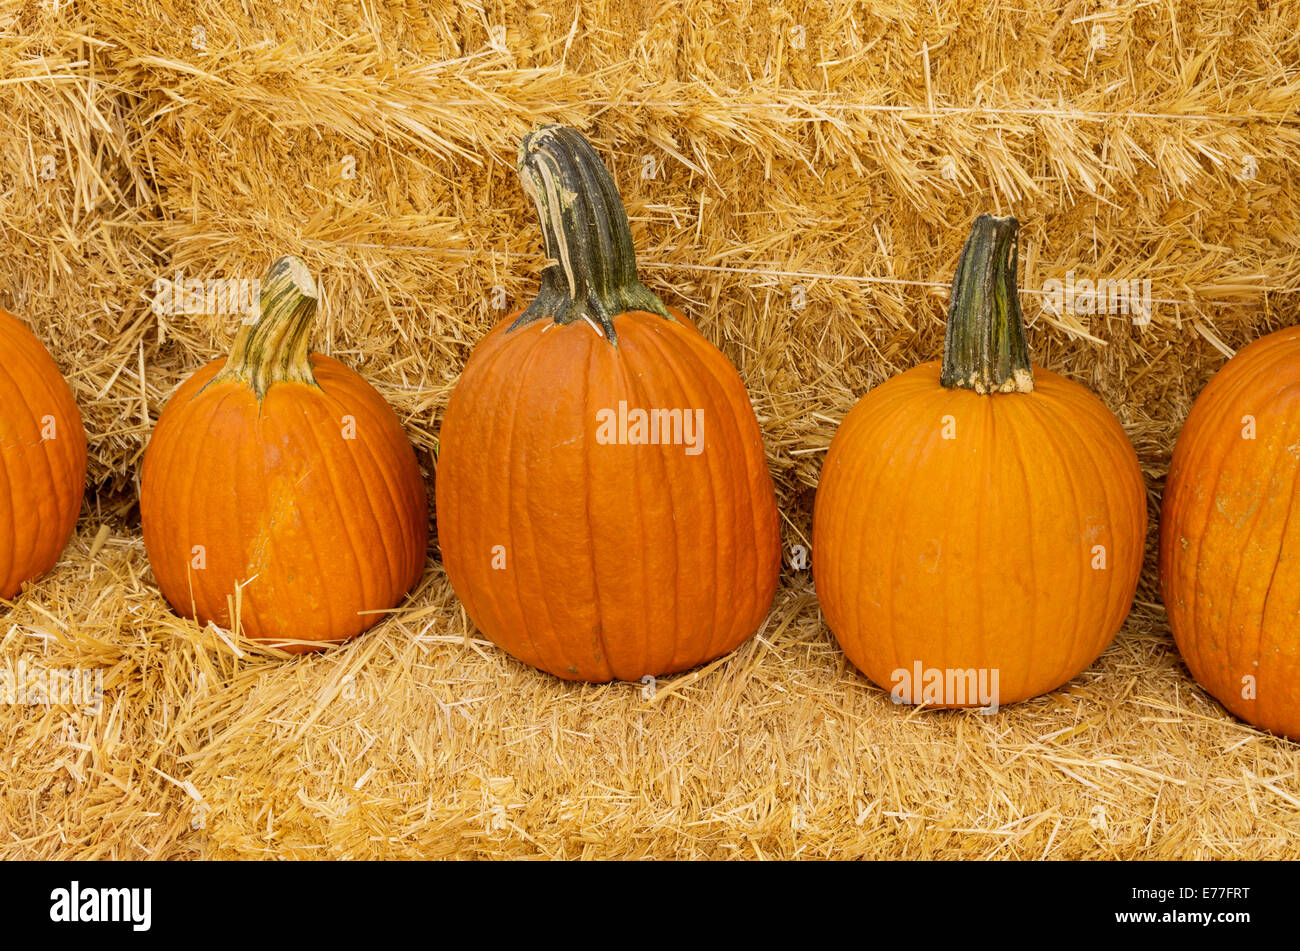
[[604, 505], [979, 517]]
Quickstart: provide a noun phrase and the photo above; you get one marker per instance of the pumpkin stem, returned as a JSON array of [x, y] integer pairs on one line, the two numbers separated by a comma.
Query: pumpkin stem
[[985, 349], [277, 347], [592, 271]]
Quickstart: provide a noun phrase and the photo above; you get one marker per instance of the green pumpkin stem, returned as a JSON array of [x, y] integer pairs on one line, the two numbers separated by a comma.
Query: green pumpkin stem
[[591, 274], [985, 349], [277, 347]]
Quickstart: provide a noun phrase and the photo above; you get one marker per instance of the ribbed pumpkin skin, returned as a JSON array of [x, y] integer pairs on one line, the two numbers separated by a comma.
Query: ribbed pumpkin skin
[[41, 479], [620, 560], [977, 551], [1230, 535], [329, 526]]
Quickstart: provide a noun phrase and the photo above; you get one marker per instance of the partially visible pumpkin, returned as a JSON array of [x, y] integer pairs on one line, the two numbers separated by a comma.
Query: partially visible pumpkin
[[279, 490], [42, 458], [577, 540], [979, 516], [1230, 535]]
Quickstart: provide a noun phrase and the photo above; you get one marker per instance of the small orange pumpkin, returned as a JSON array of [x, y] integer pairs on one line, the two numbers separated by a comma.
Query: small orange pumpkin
[[979, 518], [1230, 535], [604, 505], [279, 489], [42, 458]]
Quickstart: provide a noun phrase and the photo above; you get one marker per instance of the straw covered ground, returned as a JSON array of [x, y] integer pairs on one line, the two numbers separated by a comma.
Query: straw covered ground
[[801, 177]]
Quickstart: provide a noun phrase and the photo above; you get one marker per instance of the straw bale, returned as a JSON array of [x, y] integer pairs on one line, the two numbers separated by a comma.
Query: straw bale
[[800, 178]]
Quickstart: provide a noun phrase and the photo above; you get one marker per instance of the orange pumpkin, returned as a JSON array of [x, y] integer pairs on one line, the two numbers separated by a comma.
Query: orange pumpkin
[[979, 524], [604, 505], [42, 458], [1230, 535], [279, 489]]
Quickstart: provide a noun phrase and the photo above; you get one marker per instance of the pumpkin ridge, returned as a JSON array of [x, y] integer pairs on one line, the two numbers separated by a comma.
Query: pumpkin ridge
[[198, 516], [1124, 458], [673, 359], [73, 468], [997, 429], [1276, 559], [882, 419], [9, 567], [576, 663], [240, 492], [1270, 555], [370, 467], [638, 396], [1048, 420], [338, 481], [890, 541], [512, 384], [257, 585], [35, 538], [592, 356], [991, 434], [1110, 433], [716, 384], [44, 370], [949, 401], [497, 386], [148, 486], [731, 441], [9, 578], [591, 541], [251, 483], [636, 347], [913, 498], [1203, 516], [449, 500], [877, 429], [991, 426], [674, 352], [393, 485], [186, 509], [37, 362], [163, 433], [634, 391], [573, 652], [1231, 647], [396, 488], [518, 472], [719, 380], [758, 475]]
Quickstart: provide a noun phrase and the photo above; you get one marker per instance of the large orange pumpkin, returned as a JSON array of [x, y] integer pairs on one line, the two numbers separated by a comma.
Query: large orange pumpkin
[[279, 489], [42, 458], [980, 522], [1230, 535], [604, 505]]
